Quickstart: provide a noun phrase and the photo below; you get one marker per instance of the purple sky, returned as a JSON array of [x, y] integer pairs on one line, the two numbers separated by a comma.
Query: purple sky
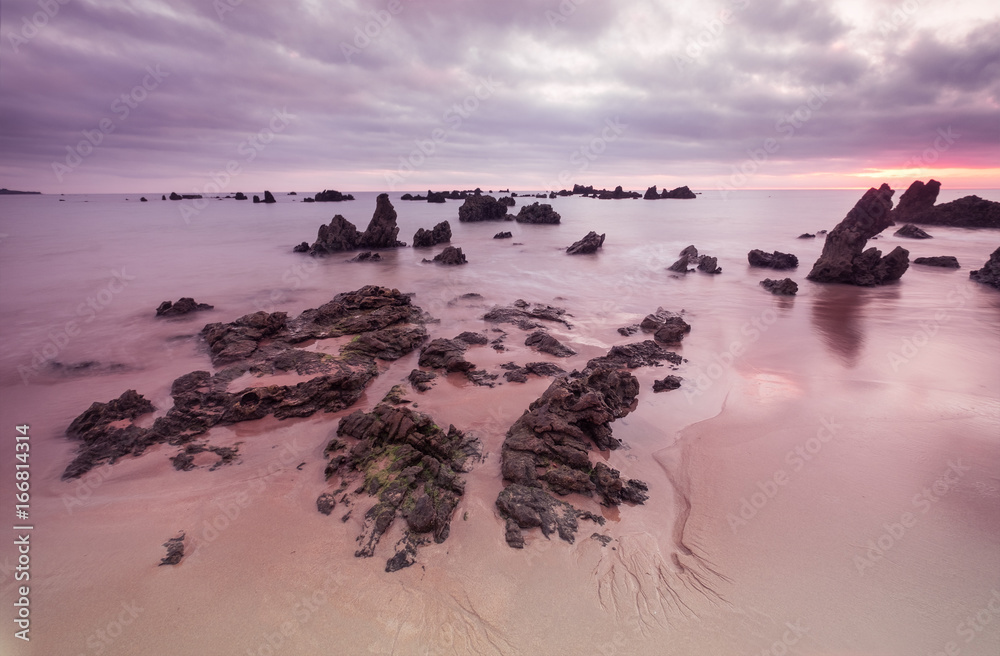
[[404, 94]]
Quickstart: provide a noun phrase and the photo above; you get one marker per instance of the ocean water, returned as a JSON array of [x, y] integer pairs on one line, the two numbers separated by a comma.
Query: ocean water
[[909, 370]]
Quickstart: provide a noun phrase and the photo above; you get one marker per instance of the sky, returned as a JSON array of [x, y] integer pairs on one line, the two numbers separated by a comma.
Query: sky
[[210, 96]]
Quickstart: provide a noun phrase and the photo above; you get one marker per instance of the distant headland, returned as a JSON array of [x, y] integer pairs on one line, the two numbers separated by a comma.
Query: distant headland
[[12, 192]]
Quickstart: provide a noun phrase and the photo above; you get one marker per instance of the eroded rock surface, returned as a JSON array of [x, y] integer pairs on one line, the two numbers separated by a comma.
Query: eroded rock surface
[[990, 273], [589, 244]]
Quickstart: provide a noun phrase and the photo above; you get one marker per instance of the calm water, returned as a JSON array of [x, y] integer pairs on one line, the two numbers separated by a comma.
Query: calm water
[[81, 276]]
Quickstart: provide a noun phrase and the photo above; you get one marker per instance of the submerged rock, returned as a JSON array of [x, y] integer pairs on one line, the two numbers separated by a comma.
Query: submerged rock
[[990, 273], [526, 316], [631, 356], [482, 208], [775, 260], [503, 235], [546, 343], [946, 261], [538, 213], [367, 256], [589, 244], [185, 305], [667, 327], [912, 232], [844, 259], [667, 384], [785, 287], [450, 256]]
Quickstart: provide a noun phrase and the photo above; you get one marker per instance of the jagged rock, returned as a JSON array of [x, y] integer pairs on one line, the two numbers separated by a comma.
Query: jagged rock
[[651, 193], [807, 235], [516, 374], [525, 507], [689, 251], [667, 384], [523, 315], [175, 196], [709, 264], [503, 235], [775, 260], [421, 379], [185, 305], [143, 200], [477, 339], [240, 196], [628, 331], [681, 265], [435, 197], [326, 502], [239, 339], [447, 354], [175, 550], [680, 192], [588, 244], [785, 287], [990, 273], [367, 256], [546, 343], [538, 213], [482, 208], [268, 198], [382, 229], [331, 196], [301, 248], [450, 256], [605, 540], [667, 327], [340, 235], [911, 231], [440, 234], [918, 199], [128, 406], [507, 201], [640, 354], [413, 469], [617, 194], [946, 261], [916, 205], [843, 259]]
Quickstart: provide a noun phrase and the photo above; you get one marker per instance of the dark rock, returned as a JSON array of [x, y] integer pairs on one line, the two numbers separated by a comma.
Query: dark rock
[[613, 491], [911, 231], [806, 235], [775, 260], [651, 193], [447, 354], [450, 256], [709, 264], [240, 196], [326, 503], [143, 200], [916, 205], [843, 259], [482, 208], [680, 192], [628, 331], [478, 339], [525, 316], [331, 196], [367, 256], [946, 261], [440, 234], [785, 287], [918, 199], [340, 235], [640, 354], [382, 229], [546, 343], [301, 248], [538, 213], [175, 196], [507, 200], [175, 550], [681, 265], [183, 306], [990, 273], [588, 244], [689, 251], [435, 197], [128, 406], [605, 540], [406, 551], [421, 379], [667, 327], [667, 384], [503, 235], [164, 197]]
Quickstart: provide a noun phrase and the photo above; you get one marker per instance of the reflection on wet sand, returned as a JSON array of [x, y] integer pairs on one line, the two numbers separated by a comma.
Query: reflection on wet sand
[[838, 315]]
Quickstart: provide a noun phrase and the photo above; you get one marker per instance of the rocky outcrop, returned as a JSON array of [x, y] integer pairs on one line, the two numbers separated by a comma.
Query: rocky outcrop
[[268, 198], [945, 261], [844, 259], [517, 374], [651, 193], [143, 200], [667, 384], [435, 197], [440, 234], [387, 326], [482, 208], [690, 257], [331, 196], [175, 196], [990, 273], [447, 354], [185, 305], [538, 213], [709, 264], [412, 468], [526, 316], [382, 229], [667, 327], [450, 256], [589, 244], [546, 452], [775, 260], [682, 193], [340, 235], [542, 341], [507, 200], [367, 256], [240, 196], [503, 235], [912, 232], [640, 354], [421, 380], [807, 235], [785, 287], [916, 205]]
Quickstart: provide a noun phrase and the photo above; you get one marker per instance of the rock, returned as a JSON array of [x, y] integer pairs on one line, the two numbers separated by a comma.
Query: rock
[[681, 265], [331, 196], [507, 201], [918, 199], [382, 229], [524, 316], [164, 197], [667, 384], [516, 374], [806, 235], [631, 356], [477, 339], [326, 503], [421, 379], [666, 326], [990, 273], [435, 197], [605, 540], [503, 235], [268, 198], [916, 205], [911, 231], [589, 244], [785, 287], [175, 550], [946, 261], [680, 192], [651, 193], [367, 256], [183, 306], [628, 331], [301, 248], [538, 213], [447, 354], [689, 251], [412, 467], [143, 200], [617, 194], [843, 259], [440, 234], [775, 260], [546, 343], [175, 196], [340, 235], [450, 256], [482, 208], [709, 264], [240, 196], [128, 406]]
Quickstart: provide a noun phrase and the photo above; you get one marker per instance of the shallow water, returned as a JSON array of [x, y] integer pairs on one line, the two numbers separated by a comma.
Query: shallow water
[[907, 373]]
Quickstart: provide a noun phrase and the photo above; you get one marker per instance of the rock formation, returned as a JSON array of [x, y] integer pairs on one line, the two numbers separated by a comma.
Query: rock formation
[[990, 273], [382, 229], [680, 192], [240, 196], [440, 234], [785, 287], [185, 305], [503, 235], [331, 196], [946, 261], [912, 232], [667, 384], [589, 244], [844, 259], [689, 256], [667, 327], [546, 343], [916, 205], [450, 256], [482, 208], [775, 260], [340, 235], [538, 213]]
